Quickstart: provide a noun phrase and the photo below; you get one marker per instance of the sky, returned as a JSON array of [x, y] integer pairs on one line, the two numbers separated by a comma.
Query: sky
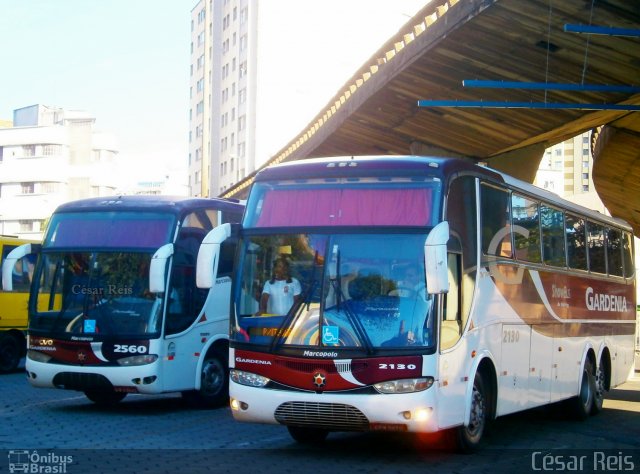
[[127, 63]]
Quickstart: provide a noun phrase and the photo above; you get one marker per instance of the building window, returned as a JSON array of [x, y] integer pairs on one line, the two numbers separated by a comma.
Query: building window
[[28, 150], [26, 188]]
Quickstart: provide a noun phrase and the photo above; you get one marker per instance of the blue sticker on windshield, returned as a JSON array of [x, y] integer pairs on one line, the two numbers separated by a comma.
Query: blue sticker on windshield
[[330, 334], [90, 325]]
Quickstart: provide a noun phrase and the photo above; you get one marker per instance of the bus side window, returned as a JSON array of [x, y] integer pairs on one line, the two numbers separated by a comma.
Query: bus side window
[[451, 329], [495, 221], [227, 255], [576, 242], [185, 300]]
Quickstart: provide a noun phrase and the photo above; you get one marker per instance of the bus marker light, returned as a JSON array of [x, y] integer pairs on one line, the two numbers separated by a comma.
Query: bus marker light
[[473, 354]]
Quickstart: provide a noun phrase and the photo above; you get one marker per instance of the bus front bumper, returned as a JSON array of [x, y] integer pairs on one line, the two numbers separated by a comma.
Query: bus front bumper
[[133, 379], [410, 412]]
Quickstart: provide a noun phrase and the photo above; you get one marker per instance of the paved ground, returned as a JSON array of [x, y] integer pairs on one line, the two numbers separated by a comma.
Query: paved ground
[[61, 431]]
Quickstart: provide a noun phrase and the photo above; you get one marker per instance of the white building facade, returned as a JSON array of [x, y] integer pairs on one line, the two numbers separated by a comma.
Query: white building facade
[[50, 156], [223, 84]]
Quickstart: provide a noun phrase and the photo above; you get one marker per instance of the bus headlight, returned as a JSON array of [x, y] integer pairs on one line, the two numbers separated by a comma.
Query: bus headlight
[[404, 385], [247, 378], [38, 356], [137, 360]]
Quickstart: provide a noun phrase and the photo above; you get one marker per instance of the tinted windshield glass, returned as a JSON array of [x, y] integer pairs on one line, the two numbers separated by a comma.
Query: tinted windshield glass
[[344, 202], [109, 230], [95, 293], [353, 291]]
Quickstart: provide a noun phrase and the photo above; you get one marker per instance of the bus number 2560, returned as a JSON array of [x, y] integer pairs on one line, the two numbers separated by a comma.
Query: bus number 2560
[[129, 349]]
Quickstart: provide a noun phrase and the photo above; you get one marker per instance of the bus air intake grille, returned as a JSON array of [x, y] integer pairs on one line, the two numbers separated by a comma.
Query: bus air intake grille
[[330, 416], [81, 382], [327, 365]]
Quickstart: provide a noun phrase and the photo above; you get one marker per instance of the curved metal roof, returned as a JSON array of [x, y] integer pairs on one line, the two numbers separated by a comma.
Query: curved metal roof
[[376, 111]]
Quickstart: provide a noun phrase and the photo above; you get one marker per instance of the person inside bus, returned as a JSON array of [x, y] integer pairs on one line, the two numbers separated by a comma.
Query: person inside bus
[[281, 291], [412, 284]]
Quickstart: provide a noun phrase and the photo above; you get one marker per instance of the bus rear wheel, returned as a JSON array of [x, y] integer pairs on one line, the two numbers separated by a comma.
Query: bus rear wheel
[[10, 353], [600, 387], [582, 404], [306, 435], [468, 437], [105, 397]]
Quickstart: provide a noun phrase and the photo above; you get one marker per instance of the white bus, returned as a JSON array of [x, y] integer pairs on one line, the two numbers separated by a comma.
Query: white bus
[[521, 299], [114, 308]]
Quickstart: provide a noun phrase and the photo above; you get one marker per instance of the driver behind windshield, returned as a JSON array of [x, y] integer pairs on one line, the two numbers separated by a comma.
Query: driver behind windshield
[[281, 291]]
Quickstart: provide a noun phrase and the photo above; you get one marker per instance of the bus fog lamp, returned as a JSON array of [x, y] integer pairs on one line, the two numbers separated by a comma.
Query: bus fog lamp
[[38, 356], [237, 405], [404, 385], [421, 414], [247, 378], [137, 360]]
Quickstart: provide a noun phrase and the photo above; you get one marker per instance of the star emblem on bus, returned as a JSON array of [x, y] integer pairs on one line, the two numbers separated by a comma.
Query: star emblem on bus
[[319, 380], [81, 356]]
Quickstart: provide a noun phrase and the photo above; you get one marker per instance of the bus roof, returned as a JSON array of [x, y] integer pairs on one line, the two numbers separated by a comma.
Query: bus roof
[[411, 165], [170, 204]]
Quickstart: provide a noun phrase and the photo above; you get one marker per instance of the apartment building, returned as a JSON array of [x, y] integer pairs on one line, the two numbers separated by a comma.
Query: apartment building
[[49, 156], [223, 87]]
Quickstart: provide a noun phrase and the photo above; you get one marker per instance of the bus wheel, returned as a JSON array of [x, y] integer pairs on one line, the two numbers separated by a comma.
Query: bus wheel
[[307, 435], [214, 383], [105, 397], [10, 353], [599, 388], [468, 437], [582, 403]]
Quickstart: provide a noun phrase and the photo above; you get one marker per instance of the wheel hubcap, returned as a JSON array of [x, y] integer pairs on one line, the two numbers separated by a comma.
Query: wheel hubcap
[[212, 377], [476, 421]]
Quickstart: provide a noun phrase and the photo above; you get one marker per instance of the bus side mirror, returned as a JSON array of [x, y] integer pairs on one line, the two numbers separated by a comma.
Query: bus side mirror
[[435, 259], [158, 268], [12, 259], [209, 255]]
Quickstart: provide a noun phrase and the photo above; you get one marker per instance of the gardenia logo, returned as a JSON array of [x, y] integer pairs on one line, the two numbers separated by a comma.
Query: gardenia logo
[[603, 302], [253, 361]]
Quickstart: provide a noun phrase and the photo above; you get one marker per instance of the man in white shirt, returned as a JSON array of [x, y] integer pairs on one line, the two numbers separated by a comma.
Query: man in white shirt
[[281, 292]]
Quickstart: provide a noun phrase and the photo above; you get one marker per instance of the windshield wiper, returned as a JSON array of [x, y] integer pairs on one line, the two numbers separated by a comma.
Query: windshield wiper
[[336, 283]]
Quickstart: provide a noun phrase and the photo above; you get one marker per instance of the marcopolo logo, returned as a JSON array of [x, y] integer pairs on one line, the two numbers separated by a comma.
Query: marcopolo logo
[[23, 460]]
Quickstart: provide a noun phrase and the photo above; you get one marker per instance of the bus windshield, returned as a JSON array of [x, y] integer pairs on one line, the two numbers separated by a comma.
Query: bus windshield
[[93, 275], [364, 292], [96, 294]]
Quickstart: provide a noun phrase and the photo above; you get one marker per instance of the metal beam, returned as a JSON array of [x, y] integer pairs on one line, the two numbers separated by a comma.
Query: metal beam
[[549, 86], [601, 30], [523, 105]]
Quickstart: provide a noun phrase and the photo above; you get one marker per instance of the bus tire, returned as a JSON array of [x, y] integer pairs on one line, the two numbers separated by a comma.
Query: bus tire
[[105, 397], [468, 437], [599, 388], [582, 403], [10, 353], [214, 383], [305, 435]]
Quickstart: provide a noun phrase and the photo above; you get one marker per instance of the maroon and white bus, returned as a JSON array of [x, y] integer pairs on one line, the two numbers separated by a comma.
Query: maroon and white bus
[[521, 299]]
